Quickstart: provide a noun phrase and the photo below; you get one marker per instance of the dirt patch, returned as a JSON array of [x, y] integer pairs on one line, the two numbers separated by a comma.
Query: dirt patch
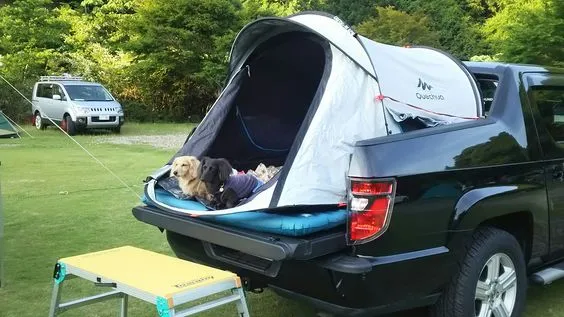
[[168, 141]]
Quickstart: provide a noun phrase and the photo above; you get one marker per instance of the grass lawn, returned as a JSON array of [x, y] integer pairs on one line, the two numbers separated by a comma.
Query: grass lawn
[[58, 202]]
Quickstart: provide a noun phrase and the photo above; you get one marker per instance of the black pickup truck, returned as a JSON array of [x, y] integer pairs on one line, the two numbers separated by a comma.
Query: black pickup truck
[[475, 212]]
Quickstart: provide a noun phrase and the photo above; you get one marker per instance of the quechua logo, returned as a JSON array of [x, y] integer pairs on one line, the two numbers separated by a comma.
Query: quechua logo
[[427, 87], [423, 85]]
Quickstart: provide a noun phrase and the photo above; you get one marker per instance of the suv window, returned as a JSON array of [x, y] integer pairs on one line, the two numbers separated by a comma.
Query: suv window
[[44, 91], [48, 90], [58, 90], [88, 93]]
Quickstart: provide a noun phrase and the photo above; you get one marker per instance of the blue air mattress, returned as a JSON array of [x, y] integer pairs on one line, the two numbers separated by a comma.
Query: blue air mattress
[[299, 224]]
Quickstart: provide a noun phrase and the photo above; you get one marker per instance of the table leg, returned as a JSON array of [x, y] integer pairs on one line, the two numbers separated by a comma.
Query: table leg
[[123, 301], [55, 298], [242, 303]]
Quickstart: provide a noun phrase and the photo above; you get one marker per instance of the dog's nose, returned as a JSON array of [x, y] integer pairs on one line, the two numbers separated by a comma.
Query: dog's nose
[[175, 173]]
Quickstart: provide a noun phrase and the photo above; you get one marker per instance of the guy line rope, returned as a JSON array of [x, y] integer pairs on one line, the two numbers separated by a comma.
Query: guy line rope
[[75, 141]]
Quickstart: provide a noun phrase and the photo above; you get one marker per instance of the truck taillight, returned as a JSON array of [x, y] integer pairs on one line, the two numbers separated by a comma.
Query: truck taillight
[[370, 206]]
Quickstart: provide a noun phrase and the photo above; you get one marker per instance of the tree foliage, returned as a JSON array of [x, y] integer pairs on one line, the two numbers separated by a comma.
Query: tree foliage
[[175, 42], [528, 31], [353, 12], [457, 34], [166, 59], [31, 43], [391, 26]]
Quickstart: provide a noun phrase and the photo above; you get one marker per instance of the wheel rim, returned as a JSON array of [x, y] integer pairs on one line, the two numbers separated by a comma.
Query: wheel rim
[[37, 121], [496, 290]]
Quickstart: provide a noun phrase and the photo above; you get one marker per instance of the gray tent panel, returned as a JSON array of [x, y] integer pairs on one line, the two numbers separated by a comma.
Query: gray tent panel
[[7, 130]]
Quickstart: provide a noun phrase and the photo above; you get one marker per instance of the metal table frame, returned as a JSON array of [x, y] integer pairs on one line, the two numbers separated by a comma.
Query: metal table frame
[[164, 307]]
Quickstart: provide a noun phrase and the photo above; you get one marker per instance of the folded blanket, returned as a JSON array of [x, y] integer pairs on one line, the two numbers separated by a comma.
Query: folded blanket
[[264, 173]]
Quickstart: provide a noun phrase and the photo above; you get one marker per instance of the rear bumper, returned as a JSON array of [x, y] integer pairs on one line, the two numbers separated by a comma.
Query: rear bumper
[[389, 286], [332, 280], [359, 312]]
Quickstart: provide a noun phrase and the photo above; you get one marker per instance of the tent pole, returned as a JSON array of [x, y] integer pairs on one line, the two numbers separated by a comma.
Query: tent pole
[[388, 132]]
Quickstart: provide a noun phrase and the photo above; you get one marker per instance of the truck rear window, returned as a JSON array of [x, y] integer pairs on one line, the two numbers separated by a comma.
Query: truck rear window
[[488, 85]]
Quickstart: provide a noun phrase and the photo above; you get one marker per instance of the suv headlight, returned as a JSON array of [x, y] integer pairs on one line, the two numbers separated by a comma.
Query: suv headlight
[[120, 111], [82, 110]]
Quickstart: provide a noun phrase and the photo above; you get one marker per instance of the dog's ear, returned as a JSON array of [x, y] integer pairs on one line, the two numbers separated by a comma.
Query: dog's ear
[[203, 161], [172, 166], [225, 169], [194, 168]]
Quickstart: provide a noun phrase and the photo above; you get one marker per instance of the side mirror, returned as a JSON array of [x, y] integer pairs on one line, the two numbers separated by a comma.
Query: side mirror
[[56, 97]]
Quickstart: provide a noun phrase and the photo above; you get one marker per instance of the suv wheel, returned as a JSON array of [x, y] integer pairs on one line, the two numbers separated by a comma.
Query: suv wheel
[[491, 281], [38, 121], [68, 125], [117, 130]]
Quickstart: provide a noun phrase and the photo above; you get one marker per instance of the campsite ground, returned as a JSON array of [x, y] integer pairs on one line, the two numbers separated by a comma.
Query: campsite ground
[[59, 202]]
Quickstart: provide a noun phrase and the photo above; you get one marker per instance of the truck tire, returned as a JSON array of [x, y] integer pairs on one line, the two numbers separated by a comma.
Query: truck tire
[[491, 280]]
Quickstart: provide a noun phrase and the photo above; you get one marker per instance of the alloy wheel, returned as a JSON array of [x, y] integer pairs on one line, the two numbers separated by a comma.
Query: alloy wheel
[[496, 290], [38, 121]]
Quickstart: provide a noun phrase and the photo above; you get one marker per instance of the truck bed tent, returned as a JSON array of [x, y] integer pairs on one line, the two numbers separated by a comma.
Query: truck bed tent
[[302, 90], [7, 130]]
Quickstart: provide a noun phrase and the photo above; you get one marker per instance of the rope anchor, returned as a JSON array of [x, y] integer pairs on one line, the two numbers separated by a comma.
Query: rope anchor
[[380, 98]]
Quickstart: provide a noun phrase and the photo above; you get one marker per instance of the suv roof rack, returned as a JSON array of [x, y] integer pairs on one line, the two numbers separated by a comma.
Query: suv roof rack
[[55, 78]]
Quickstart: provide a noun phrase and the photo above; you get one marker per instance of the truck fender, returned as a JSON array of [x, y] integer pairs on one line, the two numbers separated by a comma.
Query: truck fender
[[480, 204], [487, 203]]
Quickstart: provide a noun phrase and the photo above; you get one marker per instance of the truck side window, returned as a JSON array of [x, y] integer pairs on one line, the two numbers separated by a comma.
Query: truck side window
[[549, 101], [488, 87]]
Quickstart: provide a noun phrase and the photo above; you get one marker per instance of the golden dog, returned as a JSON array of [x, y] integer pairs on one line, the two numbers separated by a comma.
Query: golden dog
[[185, 169]]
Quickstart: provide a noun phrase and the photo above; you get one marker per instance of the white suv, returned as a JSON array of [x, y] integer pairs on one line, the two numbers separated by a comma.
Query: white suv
[[75, 104]]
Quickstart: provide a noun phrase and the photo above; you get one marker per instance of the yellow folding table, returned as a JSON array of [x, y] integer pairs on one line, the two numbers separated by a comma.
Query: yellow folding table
[[164, 281]]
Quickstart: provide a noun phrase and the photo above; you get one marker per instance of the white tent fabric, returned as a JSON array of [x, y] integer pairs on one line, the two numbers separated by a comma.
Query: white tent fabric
[[347, 113], [371, 88], [427, 79], [339, 34]]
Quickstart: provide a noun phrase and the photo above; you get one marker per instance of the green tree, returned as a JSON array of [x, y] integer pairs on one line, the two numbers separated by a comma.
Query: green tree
[[176, 43], [253, 9], [458, 34], [395, 27], [31, 44], [95, 37], [351, 12], [480, 10], [528, 32]]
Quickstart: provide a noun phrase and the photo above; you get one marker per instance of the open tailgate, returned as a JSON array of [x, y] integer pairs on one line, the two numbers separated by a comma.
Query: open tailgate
[[218, 238]]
